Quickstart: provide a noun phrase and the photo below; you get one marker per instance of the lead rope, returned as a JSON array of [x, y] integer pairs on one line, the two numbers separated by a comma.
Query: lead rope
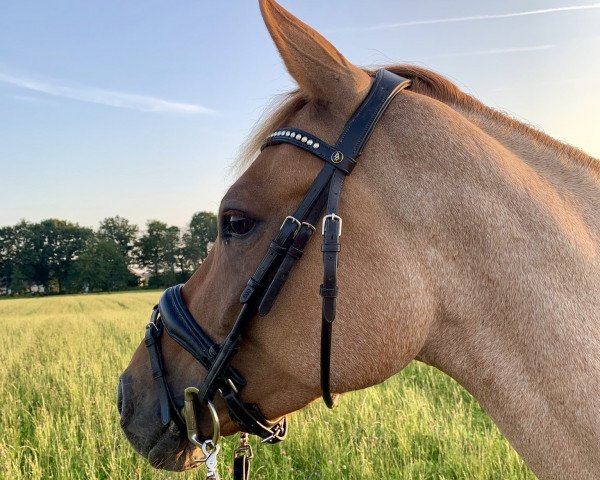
[[242, 456]]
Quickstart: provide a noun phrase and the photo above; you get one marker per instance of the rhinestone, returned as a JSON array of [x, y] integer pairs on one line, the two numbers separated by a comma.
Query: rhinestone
[[298, 136], [278, 133], [304, 139], [287, 133], [310, 142], [316, 145]]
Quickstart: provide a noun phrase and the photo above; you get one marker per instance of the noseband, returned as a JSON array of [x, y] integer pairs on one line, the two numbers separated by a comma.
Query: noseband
[[263, 287]]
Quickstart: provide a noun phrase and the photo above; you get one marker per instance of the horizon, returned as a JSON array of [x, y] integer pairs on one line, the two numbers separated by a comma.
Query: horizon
[[142, 225], [139, 111]]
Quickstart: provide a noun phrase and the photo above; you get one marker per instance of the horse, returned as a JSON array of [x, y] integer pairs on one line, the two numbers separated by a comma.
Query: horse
[[470, 243]]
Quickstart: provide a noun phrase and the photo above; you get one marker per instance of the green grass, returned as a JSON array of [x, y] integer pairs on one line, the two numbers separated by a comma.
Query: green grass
[[60, 358]]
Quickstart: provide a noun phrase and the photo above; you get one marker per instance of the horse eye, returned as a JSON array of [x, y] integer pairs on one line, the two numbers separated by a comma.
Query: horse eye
[[237, 224]]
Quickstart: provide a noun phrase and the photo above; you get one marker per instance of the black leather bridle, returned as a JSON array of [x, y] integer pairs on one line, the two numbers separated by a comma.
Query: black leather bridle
[[263, 287]]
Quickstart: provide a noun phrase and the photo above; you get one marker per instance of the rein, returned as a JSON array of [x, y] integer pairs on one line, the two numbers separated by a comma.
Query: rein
[[263, 287]]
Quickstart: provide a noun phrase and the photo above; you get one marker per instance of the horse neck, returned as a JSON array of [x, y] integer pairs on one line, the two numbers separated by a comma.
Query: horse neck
[[511, 242], [551, 158]]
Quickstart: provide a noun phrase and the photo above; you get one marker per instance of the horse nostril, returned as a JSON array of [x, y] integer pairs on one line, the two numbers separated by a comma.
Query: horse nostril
[[124, 400], [120, 396]]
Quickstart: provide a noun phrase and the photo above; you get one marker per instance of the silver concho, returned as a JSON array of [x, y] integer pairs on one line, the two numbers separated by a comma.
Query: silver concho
[[337, 156]]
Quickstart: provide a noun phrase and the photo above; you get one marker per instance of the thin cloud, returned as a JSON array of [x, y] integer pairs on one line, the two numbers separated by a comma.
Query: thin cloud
[[110, 98], [493, 51], [474, 18], [25, 98]]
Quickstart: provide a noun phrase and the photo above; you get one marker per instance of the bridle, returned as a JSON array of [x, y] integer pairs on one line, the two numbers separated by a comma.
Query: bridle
[[263, 287]]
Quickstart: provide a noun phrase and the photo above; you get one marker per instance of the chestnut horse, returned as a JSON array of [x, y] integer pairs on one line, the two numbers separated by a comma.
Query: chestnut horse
[[471, 243]]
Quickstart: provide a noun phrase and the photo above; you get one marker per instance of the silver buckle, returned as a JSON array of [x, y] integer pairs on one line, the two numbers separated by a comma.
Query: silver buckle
[[293, 219], [331, 216], [312, 227]]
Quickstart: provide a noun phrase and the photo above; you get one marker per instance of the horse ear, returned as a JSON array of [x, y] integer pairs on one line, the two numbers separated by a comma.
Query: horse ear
[[319, 69]]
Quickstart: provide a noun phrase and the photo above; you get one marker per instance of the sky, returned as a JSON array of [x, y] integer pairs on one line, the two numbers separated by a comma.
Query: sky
[[139, 108]]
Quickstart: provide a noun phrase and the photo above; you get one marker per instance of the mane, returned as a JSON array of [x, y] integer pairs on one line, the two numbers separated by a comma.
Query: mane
[[424, 82]]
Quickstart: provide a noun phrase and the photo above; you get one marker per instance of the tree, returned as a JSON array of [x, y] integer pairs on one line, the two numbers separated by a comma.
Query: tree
[[7, 255], [18, 281], [122, 232], [201, 234], [158, 249], [101, 265], [30, 253], [64, 240], [46, 250], [149, 247], [172, 248]]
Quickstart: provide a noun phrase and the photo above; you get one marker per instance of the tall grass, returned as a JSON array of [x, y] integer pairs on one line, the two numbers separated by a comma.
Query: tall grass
[[59, 362]]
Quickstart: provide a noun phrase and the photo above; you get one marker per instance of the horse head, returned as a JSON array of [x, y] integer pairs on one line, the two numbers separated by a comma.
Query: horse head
[[435, 261]]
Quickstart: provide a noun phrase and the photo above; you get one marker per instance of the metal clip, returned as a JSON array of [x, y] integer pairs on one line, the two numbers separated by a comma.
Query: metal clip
[[276, 432], [190, 415], [244, 449], [211, 451], [331, 216]]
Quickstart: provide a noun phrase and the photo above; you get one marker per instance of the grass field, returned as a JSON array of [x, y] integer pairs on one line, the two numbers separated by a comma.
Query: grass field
[[59, 362]]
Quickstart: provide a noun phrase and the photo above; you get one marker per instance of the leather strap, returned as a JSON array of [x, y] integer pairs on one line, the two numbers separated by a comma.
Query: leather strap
[[335, 156], [358, 129], [242, 456], [332, 226], [168, 409], [249, 418], [294, 253], [241, 468], [181, 327], [275, 253]]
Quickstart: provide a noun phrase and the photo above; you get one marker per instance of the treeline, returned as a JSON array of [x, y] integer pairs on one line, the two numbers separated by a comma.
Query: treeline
[[56, 256]]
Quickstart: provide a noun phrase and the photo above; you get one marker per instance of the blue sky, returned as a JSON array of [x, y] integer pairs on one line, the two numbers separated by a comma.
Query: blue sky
[[139, 108]]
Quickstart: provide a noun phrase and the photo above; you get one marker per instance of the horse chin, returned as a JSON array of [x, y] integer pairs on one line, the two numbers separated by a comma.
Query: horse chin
[[165, 450], [174, 453]]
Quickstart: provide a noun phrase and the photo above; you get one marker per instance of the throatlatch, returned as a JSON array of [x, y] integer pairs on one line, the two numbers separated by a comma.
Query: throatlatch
[[263, 288]]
